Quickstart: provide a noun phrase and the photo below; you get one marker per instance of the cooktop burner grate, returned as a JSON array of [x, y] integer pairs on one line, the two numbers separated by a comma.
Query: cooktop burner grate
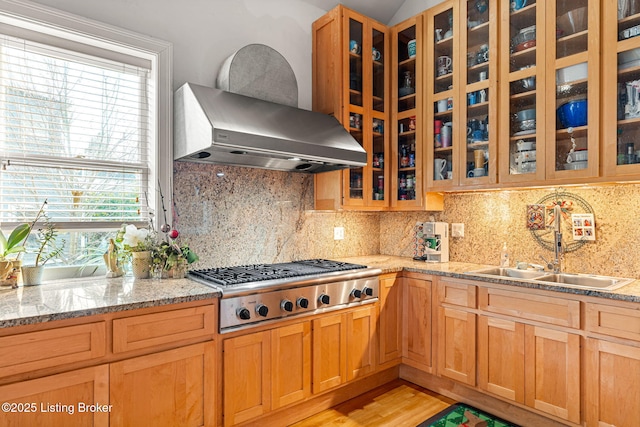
[[229, 276]]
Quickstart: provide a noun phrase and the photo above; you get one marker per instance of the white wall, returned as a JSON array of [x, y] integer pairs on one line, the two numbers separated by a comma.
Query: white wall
[[411, 8], [205, 32]]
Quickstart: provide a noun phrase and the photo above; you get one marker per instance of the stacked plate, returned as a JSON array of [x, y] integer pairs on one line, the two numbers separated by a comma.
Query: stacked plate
[[525, 156]]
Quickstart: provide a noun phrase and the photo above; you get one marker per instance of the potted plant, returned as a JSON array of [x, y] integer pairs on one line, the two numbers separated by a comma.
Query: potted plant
[[170, 258], [138, 244], [47, 249], [12, 246]]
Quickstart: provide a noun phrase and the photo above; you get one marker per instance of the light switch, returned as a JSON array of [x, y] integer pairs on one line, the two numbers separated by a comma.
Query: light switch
[[457, 230]]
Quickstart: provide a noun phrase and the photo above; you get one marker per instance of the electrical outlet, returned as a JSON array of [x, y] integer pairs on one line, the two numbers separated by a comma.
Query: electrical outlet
[[457, 230], [338, 233]]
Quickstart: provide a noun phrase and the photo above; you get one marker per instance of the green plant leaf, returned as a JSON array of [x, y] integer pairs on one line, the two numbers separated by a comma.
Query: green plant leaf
[[18, 235], [3, 244]]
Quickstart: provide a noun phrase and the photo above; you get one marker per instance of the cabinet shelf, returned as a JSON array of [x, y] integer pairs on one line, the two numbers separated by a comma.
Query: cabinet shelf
[[578, 132], [477, 144], [630, 121], [410, 61], [524, 17], [479, 108], [443, 149]]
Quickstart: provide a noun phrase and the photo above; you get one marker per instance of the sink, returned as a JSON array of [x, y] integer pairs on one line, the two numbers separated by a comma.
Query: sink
[[508, 272], [586, 280]]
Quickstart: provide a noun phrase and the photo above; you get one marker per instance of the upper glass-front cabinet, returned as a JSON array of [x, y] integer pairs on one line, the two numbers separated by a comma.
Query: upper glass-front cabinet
[[552, 99], [621, 88], [478, 39], [443, 111]]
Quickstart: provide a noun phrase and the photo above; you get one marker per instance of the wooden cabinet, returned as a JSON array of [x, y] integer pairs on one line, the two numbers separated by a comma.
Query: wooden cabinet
[[613, 365], [417, 323], [552, 67], [526, 363], [390, 320], [477, 130], [266, 370], [136, 367], [169, 388], [620, 113], [58, 400], [351, 59], [344, 347], [456, 331]]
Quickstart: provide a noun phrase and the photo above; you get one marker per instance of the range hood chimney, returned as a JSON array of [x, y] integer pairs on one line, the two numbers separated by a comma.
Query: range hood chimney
[[218, 126]]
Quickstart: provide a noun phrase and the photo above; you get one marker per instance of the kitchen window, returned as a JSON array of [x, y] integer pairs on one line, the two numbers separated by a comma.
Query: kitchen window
[[84, 124]]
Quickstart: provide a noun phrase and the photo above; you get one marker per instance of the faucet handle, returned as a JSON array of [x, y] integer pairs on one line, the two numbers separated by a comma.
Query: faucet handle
[[549, 264]]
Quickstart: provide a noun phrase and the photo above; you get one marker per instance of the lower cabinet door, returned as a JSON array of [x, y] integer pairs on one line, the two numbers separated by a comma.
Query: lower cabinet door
[[417, 324], [612, 384], [361, 345], [76, 398], [552, 372], [246, 366], [457, 345], [329, 352], [291, 364], [170, 388], [501, 357]]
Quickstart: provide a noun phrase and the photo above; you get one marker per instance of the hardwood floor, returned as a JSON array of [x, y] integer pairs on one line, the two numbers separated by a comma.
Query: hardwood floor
[[398, 404]]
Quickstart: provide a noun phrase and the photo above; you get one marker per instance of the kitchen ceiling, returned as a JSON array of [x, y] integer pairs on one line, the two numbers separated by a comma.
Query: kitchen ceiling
[[380, 10]]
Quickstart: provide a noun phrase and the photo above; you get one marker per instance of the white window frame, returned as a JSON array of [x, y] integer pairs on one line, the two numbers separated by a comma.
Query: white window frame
[[50, 22]]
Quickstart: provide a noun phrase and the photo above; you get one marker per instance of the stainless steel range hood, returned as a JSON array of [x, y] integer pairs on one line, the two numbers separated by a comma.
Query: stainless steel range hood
[[214, 126]]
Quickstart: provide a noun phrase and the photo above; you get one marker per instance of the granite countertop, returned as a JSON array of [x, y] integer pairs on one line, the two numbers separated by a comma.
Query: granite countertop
[[64, 299], [391, 264]]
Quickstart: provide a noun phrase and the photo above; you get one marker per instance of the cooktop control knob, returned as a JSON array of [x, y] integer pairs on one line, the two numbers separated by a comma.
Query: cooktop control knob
[[262, 310], [286, 305], [324, 299], [367, 292], [356, 293], [302, 302], [243, 313]]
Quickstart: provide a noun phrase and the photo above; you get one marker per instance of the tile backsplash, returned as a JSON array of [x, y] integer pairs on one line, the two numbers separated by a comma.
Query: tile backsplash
[[259, 216]]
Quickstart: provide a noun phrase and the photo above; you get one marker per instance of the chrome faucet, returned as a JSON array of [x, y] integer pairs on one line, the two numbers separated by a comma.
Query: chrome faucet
[[558, 252]]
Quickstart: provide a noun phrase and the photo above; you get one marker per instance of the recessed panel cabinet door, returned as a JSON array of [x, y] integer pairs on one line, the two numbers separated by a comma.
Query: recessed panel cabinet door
[[329, 352], [390, 320], [361, 345], [30, 402], [457, 345], [417, 324], [291, 364], [169, 388], [246, 383], [552, 372]]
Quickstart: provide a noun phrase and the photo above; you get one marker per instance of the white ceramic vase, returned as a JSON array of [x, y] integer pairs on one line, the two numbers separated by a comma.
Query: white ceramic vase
[[32, 275], [141, 264]]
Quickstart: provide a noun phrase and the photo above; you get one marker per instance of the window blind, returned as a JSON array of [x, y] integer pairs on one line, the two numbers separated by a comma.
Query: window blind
[[75, 130]]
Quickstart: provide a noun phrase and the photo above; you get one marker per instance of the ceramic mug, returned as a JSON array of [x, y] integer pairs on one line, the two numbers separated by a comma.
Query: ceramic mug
[[442, 105], [477, 172], [438, 34], [354, 47], [518, 4], [482, 75], [432, 243], [439, 167], [444, 65], [446, 134], [411, 48], [375, 53]]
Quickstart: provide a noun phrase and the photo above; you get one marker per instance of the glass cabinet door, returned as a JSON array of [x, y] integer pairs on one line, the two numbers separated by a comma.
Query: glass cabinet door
[[442, 76], [573, 50], [355, 184], [478, 39], [378, 152], [406, 146], [522, 103], [621, 88]]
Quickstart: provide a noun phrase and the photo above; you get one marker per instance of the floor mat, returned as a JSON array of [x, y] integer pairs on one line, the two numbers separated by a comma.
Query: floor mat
[[454, 416]]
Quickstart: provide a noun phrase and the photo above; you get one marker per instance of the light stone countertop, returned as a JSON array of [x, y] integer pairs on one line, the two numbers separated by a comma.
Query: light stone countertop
[[391, 264], [65, 299], [70, 298]]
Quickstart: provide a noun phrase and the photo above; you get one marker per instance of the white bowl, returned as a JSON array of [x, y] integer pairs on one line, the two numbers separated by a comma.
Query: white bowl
[[571, 73], [575, 165], [573, 21], [579, 156], [526, 167]]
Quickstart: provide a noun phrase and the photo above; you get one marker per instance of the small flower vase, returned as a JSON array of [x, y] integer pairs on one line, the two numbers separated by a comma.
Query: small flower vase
[[180, 270], [141, 264]]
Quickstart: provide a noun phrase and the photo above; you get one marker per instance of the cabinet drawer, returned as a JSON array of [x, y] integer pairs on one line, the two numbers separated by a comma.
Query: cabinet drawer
[[133, 333], [555, 311], [615, 321], [459, 294], [42, 349]]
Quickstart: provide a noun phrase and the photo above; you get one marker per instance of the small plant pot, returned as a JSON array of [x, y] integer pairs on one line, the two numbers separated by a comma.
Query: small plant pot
[[32, 276], [141, 264]]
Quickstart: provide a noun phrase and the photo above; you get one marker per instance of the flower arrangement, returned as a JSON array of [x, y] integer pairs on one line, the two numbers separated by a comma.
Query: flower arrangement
[[169, 255], [134, 239]]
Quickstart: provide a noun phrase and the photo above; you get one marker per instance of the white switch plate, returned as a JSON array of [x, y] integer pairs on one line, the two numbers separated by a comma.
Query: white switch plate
[[338, 233], [457, 230]]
